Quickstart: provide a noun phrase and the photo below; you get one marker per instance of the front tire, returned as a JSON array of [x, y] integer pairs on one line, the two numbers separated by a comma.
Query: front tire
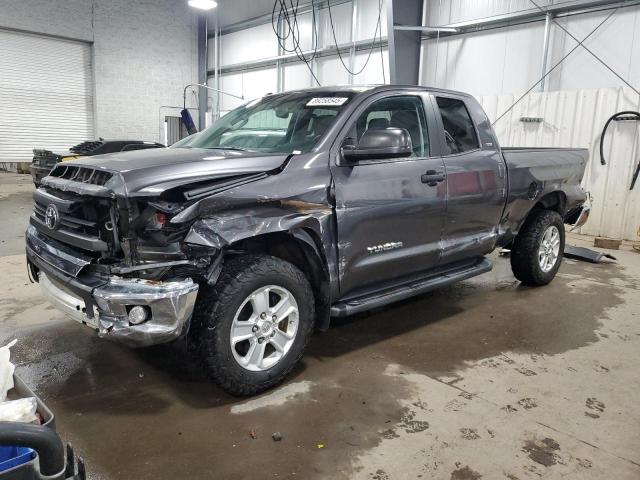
[[252, 327], [538, 248]]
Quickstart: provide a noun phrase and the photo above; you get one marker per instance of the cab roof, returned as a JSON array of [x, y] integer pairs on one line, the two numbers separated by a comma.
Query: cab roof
[[372, 88]]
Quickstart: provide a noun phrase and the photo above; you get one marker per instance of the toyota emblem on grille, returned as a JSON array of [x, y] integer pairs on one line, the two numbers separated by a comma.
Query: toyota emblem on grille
[[51, 217]]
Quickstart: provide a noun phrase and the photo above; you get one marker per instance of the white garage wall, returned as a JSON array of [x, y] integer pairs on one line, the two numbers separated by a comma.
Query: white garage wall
[[144, 53], [443, 12], [503, 60], [341, 24], [240, 47], [252, 84], [617, 42], [497, 66], [510, 59], [575, 119]]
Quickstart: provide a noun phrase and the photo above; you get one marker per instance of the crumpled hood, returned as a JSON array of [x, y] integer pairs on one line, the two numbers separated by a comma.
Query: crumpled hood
[[152, 171]]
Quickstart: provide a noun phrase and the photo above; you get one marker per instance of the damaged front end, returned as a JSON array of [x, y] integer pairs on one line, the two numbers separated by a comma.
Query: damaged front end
[[116, 262]]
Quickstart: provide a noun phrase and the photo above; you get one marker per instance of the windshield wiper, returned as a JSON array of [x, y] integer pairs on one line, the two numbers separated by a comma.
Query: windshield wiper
[[228, 148]]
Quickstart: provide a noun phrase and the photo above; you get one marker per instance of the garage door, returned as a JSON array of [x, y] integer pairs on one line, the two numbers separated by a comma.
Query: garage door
[[46, 94]]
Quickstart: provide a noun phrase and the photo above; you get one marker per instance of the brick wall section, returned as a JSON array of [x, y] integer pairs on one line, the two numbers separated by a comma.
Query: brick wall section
[[68, 18], [144, 54]]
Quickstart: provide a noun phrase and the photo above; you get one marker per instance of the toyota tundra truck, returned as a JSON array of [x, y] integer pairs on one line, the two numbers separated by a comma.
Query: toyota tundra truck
[[290, 210]]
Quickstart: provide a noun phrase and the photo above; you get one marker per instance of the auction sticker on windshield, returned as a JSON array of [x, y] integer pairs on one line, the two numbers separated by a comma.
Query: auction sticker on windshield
[[327, 101]]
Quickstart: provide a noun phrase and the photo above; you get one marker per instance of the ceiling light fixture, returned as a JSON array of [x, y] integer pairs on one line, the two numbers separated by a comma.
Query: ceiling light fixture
[[203, 4]]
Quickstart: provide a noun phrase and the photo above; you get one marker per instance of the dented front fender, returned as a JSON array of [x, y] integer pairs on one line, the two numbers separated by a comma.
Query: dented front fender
[[227, 228]]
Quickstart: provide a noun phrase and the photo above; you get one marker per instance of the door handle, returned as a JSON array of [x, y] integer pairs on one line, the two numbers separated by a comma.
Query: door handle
[[432, 178]]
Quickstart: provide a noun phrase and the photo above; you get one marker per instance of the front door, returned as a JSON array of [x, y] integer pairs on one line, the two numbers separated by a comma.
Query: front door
[[390, 212]]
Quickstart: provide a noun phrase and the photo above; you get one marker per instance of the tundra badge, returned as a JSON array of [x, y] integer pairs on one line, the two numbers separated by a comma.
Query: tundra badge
[[384, 247]]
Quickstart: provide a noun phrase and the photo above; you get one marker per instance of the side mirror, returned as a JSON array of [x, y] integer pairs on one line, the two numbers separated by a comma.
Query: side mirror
[[379, 144]]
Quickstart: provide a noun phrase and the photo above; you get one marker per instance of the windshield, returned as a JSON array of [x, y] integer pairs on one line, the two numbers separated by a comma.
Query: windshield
[[186, 141], [289, 123]]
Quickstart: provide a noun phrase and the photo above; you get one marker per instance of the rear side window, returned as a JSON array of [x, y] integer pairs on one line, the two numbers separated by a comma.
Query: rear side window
[[459, 131]]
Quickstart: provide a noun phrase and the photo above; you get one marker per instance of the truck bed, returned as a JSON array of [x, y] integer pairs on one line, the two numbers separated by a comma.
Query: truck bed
[[535, 173]]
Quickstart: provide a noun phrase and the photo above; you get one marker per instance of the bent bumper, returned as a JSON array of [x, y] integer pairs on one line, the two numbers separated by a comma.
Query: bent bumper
[[579, 216], [104, 303], [171, 305]]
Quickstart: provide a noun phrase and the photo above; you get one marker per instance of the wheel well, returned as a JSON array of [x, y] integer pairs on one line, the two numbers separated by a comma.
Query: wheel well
[[302, 249], [556, 201]]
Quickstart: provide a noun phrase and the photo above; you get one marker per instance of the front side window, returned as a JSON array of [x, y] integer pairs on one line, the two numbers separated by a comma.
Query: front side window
[[289, 123], [396, 112], [460, 135]]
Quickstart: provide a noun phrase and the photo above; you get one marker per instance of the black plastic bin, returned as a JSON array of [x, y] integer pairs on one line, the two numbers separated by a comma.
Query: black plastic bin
[[39, 452]]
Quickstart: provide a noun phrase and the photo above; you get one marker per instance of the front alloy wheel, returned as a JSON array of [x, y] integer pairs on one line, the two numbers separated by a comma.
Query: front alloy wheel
[[251, 328], [264, 328]]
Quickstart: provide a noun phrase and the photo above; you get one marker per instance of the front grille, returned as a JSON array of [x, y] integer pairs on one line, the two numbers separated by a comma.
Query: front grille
[[82, 174], [70, 221], [83, 221]]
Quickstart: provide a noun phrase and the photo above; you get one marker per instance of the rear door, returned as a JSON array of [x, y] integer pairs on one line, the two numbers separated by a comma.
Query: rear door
[[476, 181], [389, 222]]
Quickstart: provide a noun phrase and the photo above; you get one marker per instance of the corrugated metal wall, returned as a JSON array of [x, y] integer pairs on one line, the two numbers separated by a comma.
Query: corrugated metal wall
[[575, 119], [510, 59], [442, 12]]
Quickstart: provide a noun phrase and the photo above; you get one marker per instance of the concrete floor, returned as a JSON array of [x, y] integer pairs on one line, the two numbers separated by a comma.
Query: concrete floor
[[484, 379]]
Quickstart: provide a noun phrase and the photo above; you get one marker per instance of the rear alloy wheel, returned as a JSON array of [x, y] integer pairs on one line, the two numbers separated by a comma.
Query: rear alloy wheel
[[549, 249], [251, 328], [537, 249]]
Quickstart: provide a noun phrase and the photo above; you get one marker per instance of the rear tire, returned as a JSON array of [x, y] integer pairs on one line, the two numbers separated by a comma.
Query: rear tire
[[228, 312], [538, 248]]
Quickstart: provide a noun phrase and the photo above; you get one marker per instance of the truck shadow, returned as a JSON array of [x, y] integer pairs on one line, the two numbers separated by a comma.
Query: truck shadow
[[441, 331], [435, 334]]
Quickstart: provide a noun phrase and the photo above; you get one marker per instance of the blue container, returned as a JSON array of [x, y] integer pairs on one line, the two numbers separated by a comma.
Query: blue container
[[11, 457]]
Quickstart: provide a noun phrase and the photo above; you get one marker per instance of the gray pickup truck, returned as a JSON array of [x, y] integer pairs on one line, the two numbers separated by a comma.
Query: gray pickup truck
[[290, 210]]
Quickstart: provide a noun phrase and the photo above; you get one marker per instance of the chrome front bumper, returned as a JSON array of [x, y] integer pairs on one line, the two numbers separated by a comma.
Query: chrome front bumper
[[103, 304], [171, 305]]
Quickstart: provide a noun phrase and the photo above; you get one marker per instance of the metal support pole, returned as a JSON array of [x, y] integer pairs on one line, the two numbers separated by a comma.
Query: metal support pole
[[354, 37], [391, 40], [279, 65], [202, 70], [545, 51], [217, 67], [404, 43]]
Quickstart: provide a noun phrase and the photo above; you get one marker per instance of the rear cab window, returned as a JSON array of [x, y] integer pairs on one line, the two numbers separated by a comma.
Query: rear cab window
[[459, 130]]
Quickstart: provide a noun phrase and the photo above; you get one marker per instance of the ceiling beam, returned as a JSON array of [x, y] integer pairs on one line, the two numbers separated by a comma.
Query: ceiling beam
[[419, 28], [293, 58], [524, 16]]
